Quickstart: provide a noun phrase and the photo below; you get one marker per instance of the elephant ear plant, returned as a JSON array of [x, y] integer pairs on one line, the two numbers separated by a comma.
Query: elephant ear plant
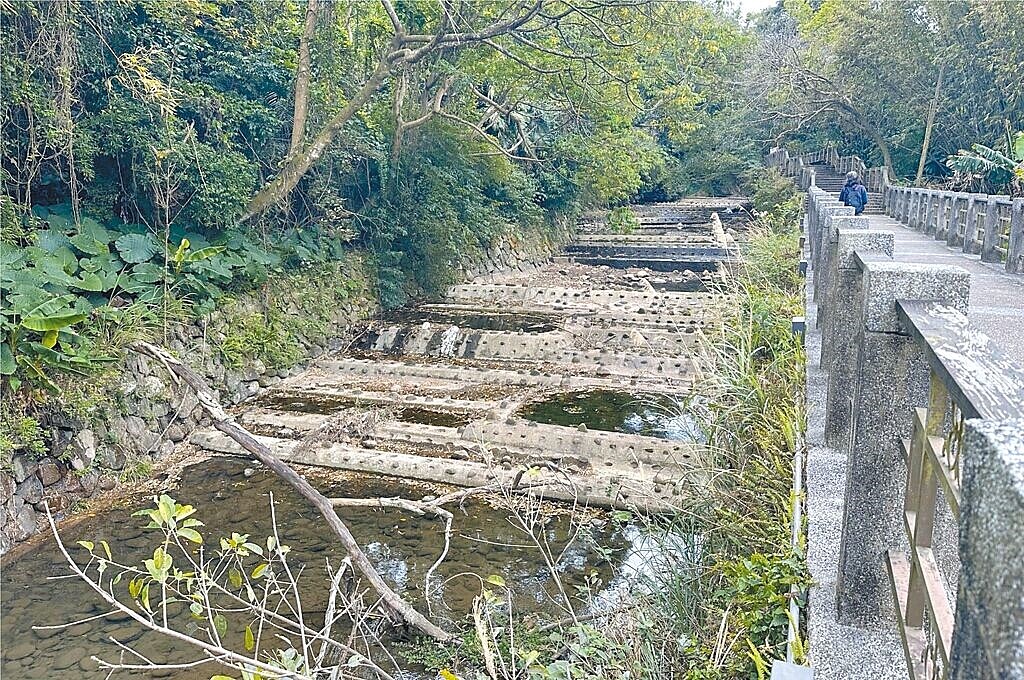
[[991, 168], [59, 274]]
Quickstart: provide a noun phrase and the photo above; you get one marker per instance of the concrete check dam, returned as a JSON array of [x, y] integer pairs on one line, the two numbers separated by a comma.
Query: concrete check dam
[[566, 379]]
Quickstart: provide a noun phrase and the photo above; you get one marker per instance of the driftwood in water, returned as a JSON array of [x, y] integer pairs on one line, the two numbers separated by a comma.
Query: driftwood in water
[[225, 422]]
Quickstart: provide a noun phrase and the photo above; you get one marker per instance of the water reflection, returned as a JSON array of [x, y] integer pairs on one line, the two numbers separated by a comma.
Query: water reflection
[[403, 547], [652, 415]]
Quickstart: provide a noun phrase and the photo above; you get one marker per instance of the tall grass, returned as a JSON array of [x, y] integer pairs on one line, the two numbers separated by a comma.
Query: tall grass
[[713, 602]]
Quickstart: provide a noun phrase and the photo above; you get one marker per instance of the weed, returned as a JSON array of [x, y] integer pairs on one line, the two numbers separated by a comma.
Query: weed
[[136, 470], [19, 432], [263, 336]]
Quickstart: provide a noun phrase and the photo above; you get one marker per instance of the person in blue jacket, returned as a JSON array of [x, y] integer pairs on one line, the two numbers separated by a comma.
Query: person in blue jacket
[[854, 194]]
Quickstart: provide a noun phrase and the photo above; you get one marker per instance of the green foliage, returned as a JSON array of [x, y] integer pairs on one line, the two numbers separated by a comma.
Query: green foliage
[[264, 336], [770, 189], [872, 68], [276, 332], [136, 471], [448, 204], [757, 588], [20, 433], [991, 168], [623, 220]]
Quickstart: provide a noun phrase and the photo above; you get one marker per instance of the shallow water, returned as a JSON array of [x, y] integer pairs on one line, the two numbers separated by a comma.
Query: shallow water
[[401, 546], [329, 405], [651, 415]]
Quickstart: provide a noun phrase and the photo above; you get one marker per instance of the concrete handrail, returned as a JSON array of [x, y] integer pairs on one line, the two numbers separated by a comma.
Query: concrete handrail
[[896, 337], [989, 225]]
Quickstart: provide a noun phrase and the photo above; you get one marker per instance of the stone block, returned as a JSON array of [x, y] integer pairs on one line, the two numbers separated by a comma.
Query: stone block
[[891, 378], [841, 300], [49, 472], [886, 281], [6, 487], [22, 468], [849, 222], [83, 449], [849, 241], [24, 523], [31, 490], [988, 637], [825, 213], [826, 267]]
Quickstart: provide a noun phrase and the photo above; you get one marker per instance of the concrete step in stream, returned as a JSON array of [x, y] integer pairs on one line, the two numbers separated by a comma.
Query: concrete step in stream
[[447, 392]]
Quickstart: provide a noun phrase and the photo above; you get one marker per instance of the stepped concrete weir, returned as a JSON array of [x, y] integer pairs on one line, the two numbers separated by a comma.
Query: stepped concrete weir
[[439, 392]]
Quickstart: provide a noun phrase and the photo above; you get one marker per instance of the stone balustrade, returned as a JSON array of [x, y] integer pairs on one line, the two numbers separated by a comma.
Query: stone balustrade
[[930, 415], [991, 226]]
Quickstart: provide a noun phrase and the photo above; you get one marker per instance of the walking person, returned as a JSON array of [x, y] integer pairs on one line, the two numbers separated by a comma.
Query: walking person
[[854, 194]]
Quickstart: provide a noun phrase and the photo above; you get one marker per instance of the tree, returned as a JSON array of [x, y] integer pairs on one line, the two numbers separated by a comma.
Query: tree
[[573, 48]]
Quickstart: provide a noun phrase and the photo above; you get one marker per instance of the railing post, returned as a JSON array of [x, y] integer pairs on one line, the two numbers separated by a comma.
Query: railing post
[[825, 272], [953, 237], [971, 226], [988, 246], [988, 636], [921, 216], [912, 213], [942, 222], [891, 378], [838, 347], [932, 212], [1015, 246], [826, 209]]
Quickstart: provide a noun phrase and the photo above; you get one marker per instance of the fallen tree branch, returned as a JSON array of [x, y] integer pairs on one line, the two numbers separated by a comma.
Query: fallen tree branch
[[225, 422]]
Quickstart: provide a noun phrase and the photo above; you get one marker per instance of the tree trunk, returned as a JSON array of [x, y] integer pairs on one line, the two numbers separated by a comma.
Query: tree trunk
[[226, 424], [862, 121], [302, 76], [932, 110], [298, 164]]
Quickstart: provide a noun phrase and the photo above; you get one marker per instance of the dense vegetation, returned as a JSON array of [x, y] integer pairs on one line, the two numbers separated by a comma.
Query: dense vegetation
[[905, 84], [159, 155], [160, 158]]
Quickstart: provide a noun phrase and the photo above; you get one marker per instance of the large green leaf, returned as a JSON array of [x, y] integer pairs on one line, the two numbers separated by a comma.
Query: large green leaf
[[13, 278], [68, 258], [90, 227], [148, 272], [24, 299], [51, 240], [11, 256], [133, 284], [1018, 147], [52, 270], [109, 262], [136, 248], [52, 323], [203, 253], [89, 281], [7, 363], [89, 244]]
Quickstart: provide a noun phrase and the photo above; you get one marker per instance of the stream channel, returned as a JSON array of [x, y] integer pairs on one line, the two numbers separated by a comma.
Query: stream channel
[[401, 546], [578, 365]]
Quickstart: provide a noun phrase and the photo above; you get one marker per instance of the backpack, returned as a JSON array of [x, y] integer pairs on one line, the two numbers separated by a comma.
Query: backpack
[[855, 196]]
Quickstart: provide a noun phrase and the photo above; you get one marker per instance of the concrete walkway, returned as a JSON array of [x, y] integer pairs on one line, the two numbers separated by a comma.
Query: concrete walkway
[[997, 298]]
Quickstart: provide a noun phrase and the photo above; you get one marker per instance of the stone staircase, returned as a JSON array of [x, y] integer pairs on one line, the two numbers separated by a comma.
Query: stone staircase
[[831, 181]]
